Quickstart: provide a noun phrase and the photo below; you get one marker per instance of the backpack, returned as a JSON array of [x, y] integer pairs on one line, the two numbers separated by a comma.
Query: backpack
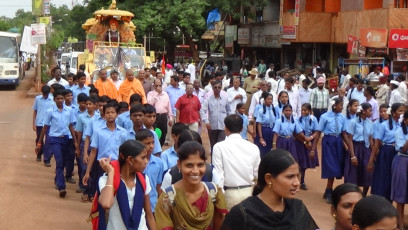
[[209, 187], [94, 215], [176, 174]]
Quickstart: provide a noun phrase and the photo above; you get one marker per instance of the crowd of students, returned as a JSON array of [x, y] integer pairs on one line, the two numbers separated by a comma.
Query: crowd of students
[[97, 124]]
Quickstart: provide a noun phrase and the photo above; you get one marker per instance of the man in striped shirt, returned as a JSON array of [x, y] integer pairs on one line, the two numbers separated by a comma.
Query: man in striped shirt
[[319, 98]]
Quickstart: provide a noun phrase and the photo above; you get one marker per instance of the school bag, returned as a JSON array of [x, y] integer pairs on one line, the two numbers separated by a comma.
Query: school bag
[[94, 215], [209, 187], [176, 174]]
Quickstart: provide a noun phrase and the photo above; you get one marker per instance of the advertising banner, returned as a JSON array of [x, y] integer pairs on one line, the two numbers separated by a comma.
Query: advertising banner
[[398, 38], [376, 38]]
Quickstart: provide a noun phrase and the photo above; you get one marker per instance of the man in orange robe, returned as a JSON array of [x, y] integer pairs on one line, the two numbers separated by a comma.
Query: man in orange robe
[[105, 86], [130, 86]]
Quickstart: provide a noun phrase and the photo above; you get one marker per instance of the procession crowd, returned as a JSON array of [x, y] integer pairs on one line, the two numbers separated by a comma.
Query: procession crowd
[[263, 132]]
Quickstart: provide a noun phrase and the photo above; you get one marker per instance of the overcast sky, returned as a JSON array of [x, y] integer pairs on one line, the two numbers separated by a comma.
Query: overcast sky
[[8, 8]]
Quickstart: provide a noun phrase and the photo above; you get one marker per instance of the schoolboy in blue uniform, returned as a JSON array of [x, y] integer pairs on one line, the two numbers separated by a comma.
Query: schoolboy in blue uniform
[[80, 87], [137, 116], [105, 143], [59, 120], [124, 118], [240, 111], [41, 104], [154, 169], [69, 158], [82, 123], [169, 156]]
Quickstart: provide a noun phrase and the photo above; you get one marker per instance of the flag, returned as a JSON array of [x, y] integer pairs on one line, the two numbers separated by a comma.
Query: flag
[[163, 65]]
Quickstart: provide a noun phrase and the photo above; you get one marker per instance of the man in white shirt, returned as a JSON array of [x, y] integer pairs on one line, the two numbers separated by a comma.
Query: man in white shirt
[[344, 78], [304, 92], [402, 88], [236, 161], [395, 94], [256, 98], [236, 94], [271, 69], [56, 73], [342, 96], [192, 70], [281, 82], [114, 74], [168, 73], [271, 79], [293, 96]]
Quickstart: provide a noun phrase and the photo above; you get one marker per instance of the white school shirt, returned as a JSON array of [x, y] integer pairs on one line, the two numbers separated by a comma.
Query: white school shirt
[[236, 161], [115, 221], [294, 101]]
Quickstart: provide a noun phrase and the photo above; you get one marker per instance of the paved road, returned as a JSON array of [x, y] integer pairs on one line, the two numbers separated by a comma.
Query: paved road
[[28, 199]]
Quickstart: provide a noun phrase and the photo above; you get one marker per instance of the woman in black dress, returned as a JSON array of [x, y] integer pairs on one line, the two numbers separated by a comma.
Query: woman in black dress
[[272, 204]]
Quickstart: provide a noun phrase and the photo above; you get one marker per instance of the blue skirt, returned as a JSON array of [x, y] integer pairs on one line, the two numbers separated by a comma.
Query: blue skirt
[[287, 144], [304, 156], [332, 157], [358, 174], [382, 172], [399, 179], [267, 135]]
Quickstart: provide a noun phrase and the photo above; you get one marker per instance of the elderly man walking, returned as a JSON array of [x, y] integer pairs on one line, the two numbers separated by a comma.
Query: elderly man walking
[[188, 109]]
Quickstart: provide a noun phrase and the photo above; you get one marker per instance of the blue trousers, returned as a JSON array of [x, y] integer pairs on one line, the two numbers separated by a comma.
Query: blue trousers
[[93, 180], [59, 147], [69, 159], [81, 165]]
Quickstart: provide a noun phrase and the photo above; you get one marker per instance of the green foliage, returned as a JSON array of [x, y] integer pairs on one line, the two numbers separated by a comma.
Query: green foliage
[[22, 19], [4, 26]]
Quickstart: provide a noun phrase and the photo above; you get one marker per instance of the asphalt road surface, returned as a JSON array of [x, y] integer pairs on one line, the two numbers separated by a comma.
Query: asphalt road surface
[[28, 199]]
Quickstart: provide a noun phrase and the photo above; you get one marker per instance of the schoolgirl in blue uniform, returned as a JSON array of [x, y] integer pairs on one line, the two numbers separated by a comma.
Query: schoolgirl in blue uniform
[[383, 110], [399, 176], [360, 132], [255, 124], [283, 99], [285, 129], [352, 108], [383, 151], [307, 157], [266, 118], [333, 125]]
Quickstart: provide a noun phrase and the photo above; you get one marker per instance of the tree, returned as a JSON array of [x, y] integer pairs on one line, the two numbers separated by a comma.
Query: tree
[[4, 26], [22, 19]]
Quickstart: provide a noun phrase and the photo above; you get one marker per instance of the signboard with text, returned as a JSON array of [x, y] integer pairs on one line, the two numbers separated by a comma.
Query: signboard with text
[[376, 38], [38, 34], [398, 38], [243, 36], [289, 32], [230, 35]]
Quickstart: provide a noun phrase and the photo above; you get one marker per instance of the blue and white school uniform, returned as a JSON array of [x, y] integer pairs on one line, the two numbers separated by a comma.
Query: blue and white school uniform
[[255, 116], [361, 130], [59, 122], [154, 170], [267, 120], [279, 110], [41, 105], [332, 125], [309, 125], [381, 185], [399, 169], [285, 129], [245, 123]]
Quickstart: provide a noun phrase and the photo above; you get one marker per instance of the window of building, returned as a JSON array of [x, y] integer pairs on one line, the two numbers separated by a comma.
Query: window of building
[[332, 6], [401, 3], [289, 5], [259, 14], [373, 4], [314, 5]]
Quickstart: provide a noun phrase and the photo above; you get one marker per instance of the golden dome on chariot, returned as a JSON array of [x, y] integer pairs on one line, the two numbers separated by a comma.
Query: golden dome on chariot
[[111, 25]]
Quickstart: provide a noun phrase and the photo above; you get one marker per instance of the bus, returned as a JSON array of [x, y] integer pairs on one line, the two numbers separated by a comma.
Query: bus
[[11, 71]]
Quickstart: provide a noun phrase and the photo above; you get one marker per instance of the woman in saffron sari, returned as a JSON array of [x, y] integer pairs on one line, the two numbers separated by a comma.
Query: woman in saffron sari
[[190, 203]]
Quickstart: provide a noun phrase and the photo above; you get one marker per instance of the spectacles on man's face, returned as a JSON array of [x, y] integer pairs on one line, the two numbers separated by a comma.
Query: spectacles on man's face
[[217, 87], [158, 86]]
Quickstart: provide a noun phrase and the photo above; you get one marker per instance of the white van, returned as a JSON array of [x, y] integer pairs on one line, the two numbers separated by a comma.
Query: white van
[[71, 60]]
